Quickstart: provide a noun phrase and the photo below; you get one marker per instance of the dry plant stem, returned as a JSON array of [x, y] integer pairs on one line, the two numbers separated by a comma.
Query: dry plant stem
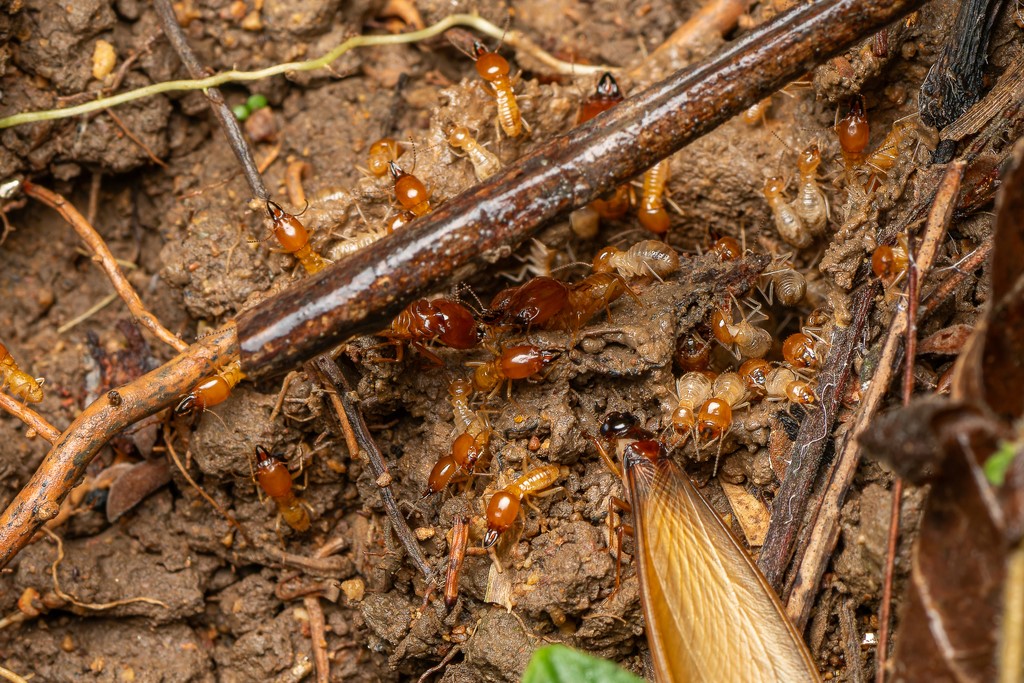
[[98, 607], [134, 138], [29, 417], [106, 260], [363, 293], [328, 567], [348, 412], [440, 665], [169, 441], [317, 629], [716, 17], [514, 38], [805, 459], [825, 526], [227, 120], [940, 294], [9, 675], [39, 500]]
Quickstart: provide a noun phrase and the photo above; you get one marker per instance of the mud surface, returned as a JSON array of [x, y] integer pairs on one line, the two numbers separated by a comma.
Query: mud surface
[[224, 607]]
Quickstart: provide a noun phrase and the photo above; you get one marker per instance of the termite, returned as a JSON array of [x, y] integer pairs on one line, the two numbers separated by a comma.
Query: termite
[[789, 224], [614, 204], [531, 304], [475, 430], [381, 153], [457, 555], [651, 212], [494, 69], [410, 191], [515, 362], [294, 238], [884, 157], [757, 112], [707, 606], [692, 390], [802, 350], [810, 203], [785, 283], [504, 506], [20, 383], [744, 338], [276, 481], [485, 162], [606, 95], [693, 353], [441, 320], [762, 379], [715, 416], [588, 297], [726, 249], [441, 474], [890, 263], [212, 390], [647, 258], [854, 134]]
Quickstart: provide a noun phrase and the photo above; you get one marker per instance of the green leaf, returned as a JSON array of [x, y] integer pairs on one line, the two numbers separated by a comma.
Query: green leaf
[[255, 102], [997, 464], [240, 111], [560, 664]]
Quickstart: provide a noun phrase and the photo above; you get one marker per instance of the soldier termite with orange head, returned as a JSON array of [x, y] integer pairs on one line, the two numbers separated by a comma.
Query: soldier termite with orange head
[[504, 506], [20, 383], [854, 134], [294, 238], [212, 390], [276, 481], [710, 614], [410, 191], [515, 362], [494, 69]]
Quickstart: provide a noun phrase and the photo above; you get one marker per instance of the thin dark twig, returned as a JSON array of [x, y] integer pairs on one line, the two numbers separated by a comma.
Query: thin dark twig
[[227, 120], [802, 473], [333, 375], [362, 293]]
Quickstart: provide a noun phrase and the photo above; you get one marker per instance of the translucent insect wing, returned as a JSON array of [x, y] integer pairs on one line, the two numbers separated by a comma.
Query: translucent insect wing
[[710, 614]]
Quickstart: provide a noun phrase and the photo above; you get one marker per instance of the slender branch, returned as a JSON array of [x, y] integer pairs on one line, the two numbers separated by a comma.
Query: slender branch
[[363, 292], [225, 117], [39, 500], [360, 440], [29, 417], [107, 261], [514, 38], [825, 526]]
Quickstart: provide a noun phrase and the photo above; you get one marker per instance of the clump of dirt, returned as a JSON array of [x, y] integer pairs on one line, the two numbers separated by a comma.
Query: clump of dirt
[[229, 599]]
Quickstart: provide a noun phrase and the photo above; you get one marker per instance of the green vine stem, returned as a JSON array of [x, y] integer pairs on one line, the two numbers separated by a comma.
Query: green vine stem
[[513, 38]]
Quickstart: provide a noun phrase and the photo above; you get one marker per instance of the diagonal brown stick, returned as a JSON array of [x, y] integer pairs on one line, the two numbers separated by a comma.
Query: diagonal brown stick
[[825, 527], [29, 417], [107, 262], [364, 292], [65, 464]]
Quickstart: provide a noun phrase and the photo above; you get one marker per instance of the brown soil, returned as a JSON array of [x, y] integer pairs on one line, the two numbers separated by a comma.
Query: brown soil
[[187, 232]]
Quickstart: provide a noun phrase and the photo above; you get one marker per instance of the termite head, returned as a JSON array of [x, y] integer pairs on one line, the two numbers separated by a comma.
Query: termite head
[[618, 425], [773, 187], [608, 88], [809, 160], [714, 418], [441, 474], [490, 65], [727, 249], [853, 129], [501, 514], [459, 136], [644, 451], [605, 260], [467, 449], [187, 405]]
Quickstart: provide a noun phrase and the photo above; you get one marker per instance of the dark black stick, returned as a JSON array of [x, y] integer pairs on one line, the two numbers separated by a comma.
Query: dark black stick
[[791, 501], [333, 375], [363, 293], [227, 120], [953, 82]]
